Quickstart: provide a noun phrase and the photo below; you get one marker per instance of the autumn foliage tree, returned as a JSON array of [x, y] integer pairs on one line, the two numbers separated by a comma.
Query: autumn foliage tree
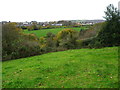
[[67, 38]]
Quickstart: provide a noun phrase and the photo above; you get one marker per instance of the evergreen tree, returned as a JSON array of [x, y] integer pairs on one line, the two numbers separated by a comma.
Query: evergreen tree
[[110, 33]]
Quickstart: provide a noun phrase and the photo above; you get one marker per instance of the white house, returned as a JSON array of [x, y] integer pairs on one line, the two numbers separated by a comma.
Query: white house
[[56, 24]]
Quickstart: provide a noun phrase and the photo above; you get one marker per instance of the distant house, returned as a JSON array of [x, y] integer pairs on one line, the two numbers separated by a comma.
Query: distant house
[[4, 22], [40, 23], [23, 23], [45, 24], [87, 22], [56, 24], [33, 22]]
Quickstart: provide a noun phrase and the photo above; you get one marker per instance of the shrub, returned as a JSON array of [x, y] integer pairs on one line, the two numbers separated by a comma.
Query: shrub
[[29, 48], [24, 27], [67, 38], [79, 43], [30, 28], [31, 36], [51, 42], [43, 45]]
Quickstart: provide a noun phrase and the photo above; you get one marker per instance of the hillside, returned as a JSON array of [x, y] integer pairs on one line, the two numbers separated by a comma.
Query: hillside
[[82, 68], [43, 32]]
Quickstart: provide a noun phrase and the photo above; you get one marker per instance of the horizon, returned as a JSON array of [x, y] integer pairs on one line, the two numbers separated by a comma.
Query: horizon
[[52, 10], [55, 21]]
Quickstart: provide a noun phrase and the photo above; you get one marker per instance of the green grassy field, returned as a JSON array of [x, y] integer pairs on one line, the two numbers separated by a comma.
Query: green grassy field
[[43, 32], [82, 68]]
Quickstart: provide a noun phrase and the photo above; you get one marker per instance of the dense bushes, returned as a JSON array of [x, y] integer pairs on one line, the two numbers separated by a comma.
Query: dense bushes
[[109, 34], [23, 27], [33, 27], [65, 39], [16, 44], [71, 39]]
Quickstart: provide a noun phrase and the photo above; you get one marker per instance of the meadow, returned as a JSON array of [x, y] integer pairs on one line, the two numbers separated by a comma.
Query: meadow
[[43, 32], [78, 68]]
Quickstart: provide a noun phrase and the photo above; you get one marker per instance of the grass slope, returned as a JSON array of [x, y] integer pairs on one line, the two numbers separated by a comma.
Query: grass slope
[[43, 32], [82, 68]]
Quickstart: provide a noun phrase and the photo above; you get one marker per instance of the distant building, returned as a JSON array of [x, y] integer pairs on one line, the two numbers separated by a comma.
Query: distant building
[[40, 23], [4, 22], [56, 24], [45, 24], [33, 22], [87, 22], [25, 23]]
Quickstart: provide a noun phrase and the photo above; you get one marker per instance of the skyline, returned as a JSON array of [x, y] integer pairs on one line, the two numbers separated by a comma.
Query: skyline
[[52, 10]]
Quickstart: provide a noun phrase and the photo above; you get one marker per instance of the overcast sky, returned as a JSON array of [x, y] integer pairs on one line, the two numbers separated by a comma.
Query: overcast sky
[[53, 10]]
